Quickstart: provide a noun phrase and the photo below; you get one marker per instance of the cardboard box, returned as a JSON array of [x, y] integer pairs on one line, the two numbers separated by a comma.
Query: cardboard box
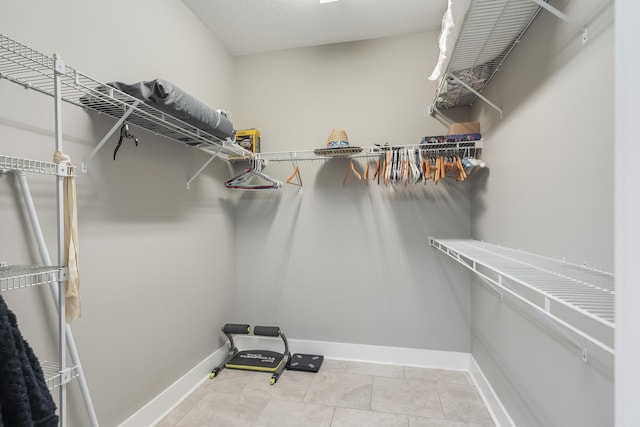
[[464, 128], [249, 139]]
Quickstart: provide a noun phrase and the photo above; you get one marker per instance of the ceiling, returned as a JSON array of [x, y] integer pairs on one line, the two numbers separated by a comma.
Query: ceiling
[[255, 26]]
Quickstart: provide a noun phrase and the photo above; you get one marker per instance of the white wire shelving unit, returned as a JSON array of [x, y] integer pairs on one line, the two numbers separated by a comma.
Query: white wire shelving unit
[[576, 298], [14, 277], [18, 164], [489, 33], [53, 375], [34, 70]]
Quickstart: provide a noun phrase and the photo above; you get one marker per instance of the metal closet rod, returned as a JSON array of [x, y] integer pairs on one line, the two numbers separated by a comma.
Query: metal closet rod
[[281, 156], [375, 151]]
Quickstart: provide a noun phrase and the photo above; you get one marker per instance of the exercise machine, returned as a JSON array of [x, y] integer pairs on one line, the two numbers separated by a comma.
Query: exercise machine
[[254, 360]]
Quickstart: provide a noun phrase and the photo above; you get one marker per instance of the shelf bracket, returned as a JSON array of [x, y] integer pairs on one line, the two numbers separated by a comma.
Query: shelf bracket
[[85, 162], [65, 375], [471, 265], [544, 315], [476, 93], [202, 168], [565, 18]]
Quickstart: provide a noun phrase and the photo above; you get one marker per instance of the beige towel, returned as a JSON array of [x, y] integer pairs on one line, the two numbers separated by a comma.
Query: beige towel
[[72, 292]]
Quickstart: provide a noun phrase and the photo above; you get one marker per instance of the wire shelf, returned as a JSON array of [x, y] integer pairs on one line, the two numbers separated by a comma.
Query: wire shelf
[[14, 277], [578, 297], [472, 146], [34, 166], [54, 378], [489, 33], [31, 69]]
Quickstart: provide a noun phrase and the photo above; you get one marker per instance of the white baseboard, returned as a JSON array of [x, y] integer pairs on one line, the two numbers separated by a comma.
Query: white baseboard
[[456, 361], [154, 411], [498, 412], [169, 399]]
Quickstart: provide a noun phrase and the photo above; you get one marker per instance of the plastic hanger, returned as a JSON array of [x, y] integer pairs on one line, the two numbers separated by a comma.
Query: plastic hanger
[[405, 166], [395, 166], [124, 133], [253, 179], [426, 170], [414, 161]]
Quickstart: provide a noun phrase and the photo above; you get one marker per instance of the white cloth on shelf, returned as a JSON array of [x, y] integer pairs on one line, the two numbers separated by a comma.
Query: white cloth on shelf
[[72, 291], [451, 25]]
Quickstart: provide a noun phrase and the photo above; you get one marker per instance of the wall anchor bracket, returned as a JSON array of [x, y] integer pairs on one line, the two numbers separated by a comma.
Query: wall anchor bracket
[[566, 18]]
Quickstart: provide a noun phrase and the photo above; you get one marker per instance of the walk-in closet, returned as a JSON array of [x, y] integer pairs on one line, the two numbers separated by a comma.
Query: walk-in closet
[[430, 205]]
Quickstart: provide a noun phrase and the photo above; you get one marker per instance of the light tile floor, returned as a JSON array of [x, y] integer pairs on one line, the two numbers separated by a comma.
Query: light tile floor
[[341, 394]]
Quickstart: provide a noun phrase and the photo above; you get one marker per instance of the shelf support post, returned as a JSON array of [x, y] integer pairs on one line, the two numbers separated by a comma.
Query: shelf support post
[[55, 288], [60, 69], [476, 93], [85, 163], [566, 18]]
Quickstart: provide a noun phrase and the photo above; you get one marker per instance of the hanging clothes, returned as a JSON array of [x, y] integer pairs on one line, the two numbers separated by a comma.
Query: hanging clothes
[[25, 399]]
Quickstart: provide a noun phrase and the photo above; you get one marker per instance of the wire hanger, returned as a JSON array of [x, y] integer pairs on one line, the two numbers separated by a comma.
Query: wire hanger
[[253, 179], [124, 133]]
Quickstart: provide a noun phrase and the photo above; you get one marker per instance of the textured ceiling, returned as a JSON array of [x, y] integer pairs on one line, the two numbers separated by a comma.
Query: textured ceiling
[[254, 26]]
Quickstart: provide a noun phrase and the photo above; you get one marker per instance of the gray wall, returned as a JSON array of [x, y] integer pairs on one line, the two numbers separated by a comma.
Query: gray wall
[[548, 190], [154, 256], [337, 264], [348, 264], [163, 267]]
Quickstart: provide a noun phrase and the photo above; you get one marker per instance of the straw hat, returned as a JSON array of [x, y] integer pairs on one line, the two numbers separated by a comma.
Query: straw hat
[[337, 138]]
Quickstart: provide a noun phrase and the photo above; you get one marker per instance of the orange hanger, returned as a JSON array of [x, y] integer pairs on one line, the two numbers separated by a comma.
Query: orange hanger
[[387, 168], [462, 175], [296, 173], [365, 175], [439, 170], [376, 173], [351, 169], [426, 170], [405, 164]]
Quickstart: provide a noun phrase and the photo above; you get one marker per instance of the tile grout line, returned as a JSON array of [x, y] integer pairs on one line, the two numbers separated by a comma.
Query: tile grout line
[[375, 376], [373, 379], [333, 415]]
